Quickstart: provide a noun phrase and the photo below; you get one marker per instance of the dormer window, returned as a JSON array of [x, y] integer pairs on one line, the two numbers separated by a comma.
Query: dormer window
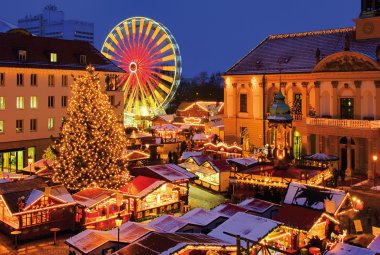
[[53, 57], [82, 59], [22, 55]]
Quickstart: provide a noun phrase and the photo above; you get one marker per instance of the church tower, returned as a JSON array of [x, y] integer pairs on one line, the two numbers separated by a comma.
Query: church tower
[[368, 23]]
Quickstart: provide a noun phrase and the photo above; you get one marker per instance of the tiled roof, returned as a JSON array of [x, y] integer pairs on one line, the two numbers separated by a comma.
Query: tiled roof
[[39, 49], [141, 186], [296, 53]]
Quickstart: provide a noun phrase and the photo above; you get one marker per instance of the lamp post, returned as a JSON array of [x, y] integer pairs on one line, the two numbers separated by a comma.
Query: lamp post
[[30, 162], [118, 222], [374, 158]]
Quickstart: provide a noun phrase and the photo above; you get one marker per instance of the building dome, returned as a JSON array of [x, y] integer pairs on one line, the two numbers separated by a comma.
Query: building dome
[[279, 112], [6, 26]]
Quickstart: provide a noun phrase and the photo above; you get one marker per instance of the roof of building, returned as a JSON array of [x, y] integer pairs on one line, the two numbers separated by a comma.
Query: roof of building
[[92, 196], [188, 154], [141, 186], [346, 249], [312, 197], [243, 161], [296, 52], [22, 185], [168, 223], [167, 172], [168, 243], [135, 155], [38, 53], [200, 159], [201, 216], [257, 205], [131, 231], [228, 209], [375, 244], [219, 165], [246, 225], [286, 214]]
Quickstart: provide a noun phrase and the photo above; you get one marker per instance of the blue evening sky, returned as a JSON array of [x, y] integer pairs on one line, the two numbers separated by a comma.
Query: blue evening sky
[[212, 34]]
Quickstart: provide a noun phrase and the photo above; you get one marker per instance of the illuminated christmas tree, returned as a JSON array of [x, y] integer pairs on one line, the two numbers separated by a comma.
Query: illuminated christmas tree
[[92, 139]]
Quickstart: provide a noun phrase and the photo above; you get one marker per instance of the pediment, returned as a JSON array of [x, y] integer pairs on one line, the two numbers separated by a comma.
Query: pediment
[[346, 62]]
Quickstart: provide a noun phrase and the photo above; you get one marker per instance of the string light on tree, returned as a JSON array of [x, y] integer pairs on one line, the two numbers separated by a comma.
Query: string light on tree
[[92, 139]]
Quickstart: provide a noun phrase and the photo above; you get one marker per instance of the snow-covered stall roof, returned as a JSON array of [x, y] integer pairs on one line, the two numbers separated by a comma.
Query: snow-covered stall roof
[[256, 205], [243, 161], [228, 209], [375, 244], [346, 249], [201, 217], [88, 240], [312, 197], [188, 154], [92, 196], [130, 231], [171, 172], [246, 225], [168, 223]]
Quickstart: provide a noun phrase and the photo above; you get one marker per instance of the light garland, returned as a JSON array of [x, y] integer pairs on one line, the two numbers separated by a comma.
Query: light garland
[[92, 139]]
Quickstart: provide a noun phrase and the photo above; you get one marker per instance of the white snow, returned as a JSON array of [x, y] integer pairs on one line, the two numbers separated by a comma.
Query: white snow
[[375, 244], [346, 249], [201, 217], [168, 223]]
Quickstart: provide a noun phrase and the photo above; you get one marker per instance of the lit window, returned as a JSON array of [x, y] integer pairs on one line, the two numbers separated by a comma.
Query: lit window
[[53, 57], [64, 80], [19, 126], [50, 123], [22, 55], [33, 102], [83, 59], [1, 126], [20, 102], [2, 103], [51, 101], [33, 79], [50, 80], [33, 124], [20, 79]]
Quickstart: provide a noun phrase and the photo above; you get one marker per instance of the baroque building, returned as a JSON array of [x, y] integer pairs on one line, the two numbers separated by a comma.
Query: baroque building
[[330, 79]]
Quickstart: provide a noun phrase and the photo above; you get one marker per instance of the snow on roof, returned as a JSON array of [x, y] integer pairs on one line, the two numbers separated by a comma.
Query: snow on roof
[[171, 172], [243, 161], [312, 196], [62, 193], [246, 225], [34, 196], [92, 196], [201, 217], [88, 240], [141, 186], [199, 137], [130, 231], [228, 209], [256, 205], [188, 154], [346, 249], [375, 244], [168, 223]]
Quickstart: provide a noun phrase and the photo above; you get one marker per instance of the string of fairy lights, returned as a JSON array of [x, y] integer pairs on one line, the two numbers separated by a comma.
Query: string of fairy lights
[[92, 139]]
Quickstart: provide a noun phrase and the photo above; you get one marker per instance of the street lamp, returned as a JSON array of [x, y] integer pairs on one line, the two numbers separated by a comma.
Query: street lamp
[[118, 222], [30, 162], [374, 158]]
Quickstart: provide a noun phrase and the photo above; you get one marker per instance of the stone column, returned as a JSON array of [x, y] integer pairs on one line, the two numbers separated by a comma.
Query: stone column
[[305, 100], [377, 99], [357, 103], [226, 103], [317, 84], [371, 169], [349, 168], [335, 104]]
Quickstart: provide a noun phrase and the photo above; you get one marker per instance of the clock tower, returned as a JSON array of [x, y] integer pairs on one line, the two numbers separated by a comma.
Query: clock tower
[[368, 23]]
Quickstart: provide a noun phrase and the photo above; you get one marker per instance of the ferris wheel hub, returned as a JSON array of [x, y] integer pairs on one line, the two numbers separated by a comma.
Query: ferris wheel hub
[[133, 67]]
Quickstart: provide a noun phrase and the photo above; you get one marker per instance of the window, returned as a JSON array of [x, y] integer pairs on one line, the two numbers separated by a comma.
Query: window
[[112, 100], [346, 108], [33, 79], [2, 79], [297, 104], [64, 80], [51, 101], [82, 59], [19, 126], [2, 103], [64, 101], [1, 126], [22, 55], [20, 79], [20, 102], [243, 102], [50, 80], [33, 102], [33, 124], [50, 123], [53, 57]]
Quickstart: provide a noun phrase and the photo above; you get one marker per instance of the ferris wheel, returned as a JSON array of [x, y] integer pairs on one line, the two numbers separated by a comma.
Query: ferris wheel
[[149, 55]]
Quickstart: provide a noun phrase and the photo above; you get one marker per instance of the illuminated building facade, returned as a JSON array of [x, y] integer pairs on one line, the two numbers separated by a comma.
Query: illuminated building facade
[[35, 78], [330, 80]]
